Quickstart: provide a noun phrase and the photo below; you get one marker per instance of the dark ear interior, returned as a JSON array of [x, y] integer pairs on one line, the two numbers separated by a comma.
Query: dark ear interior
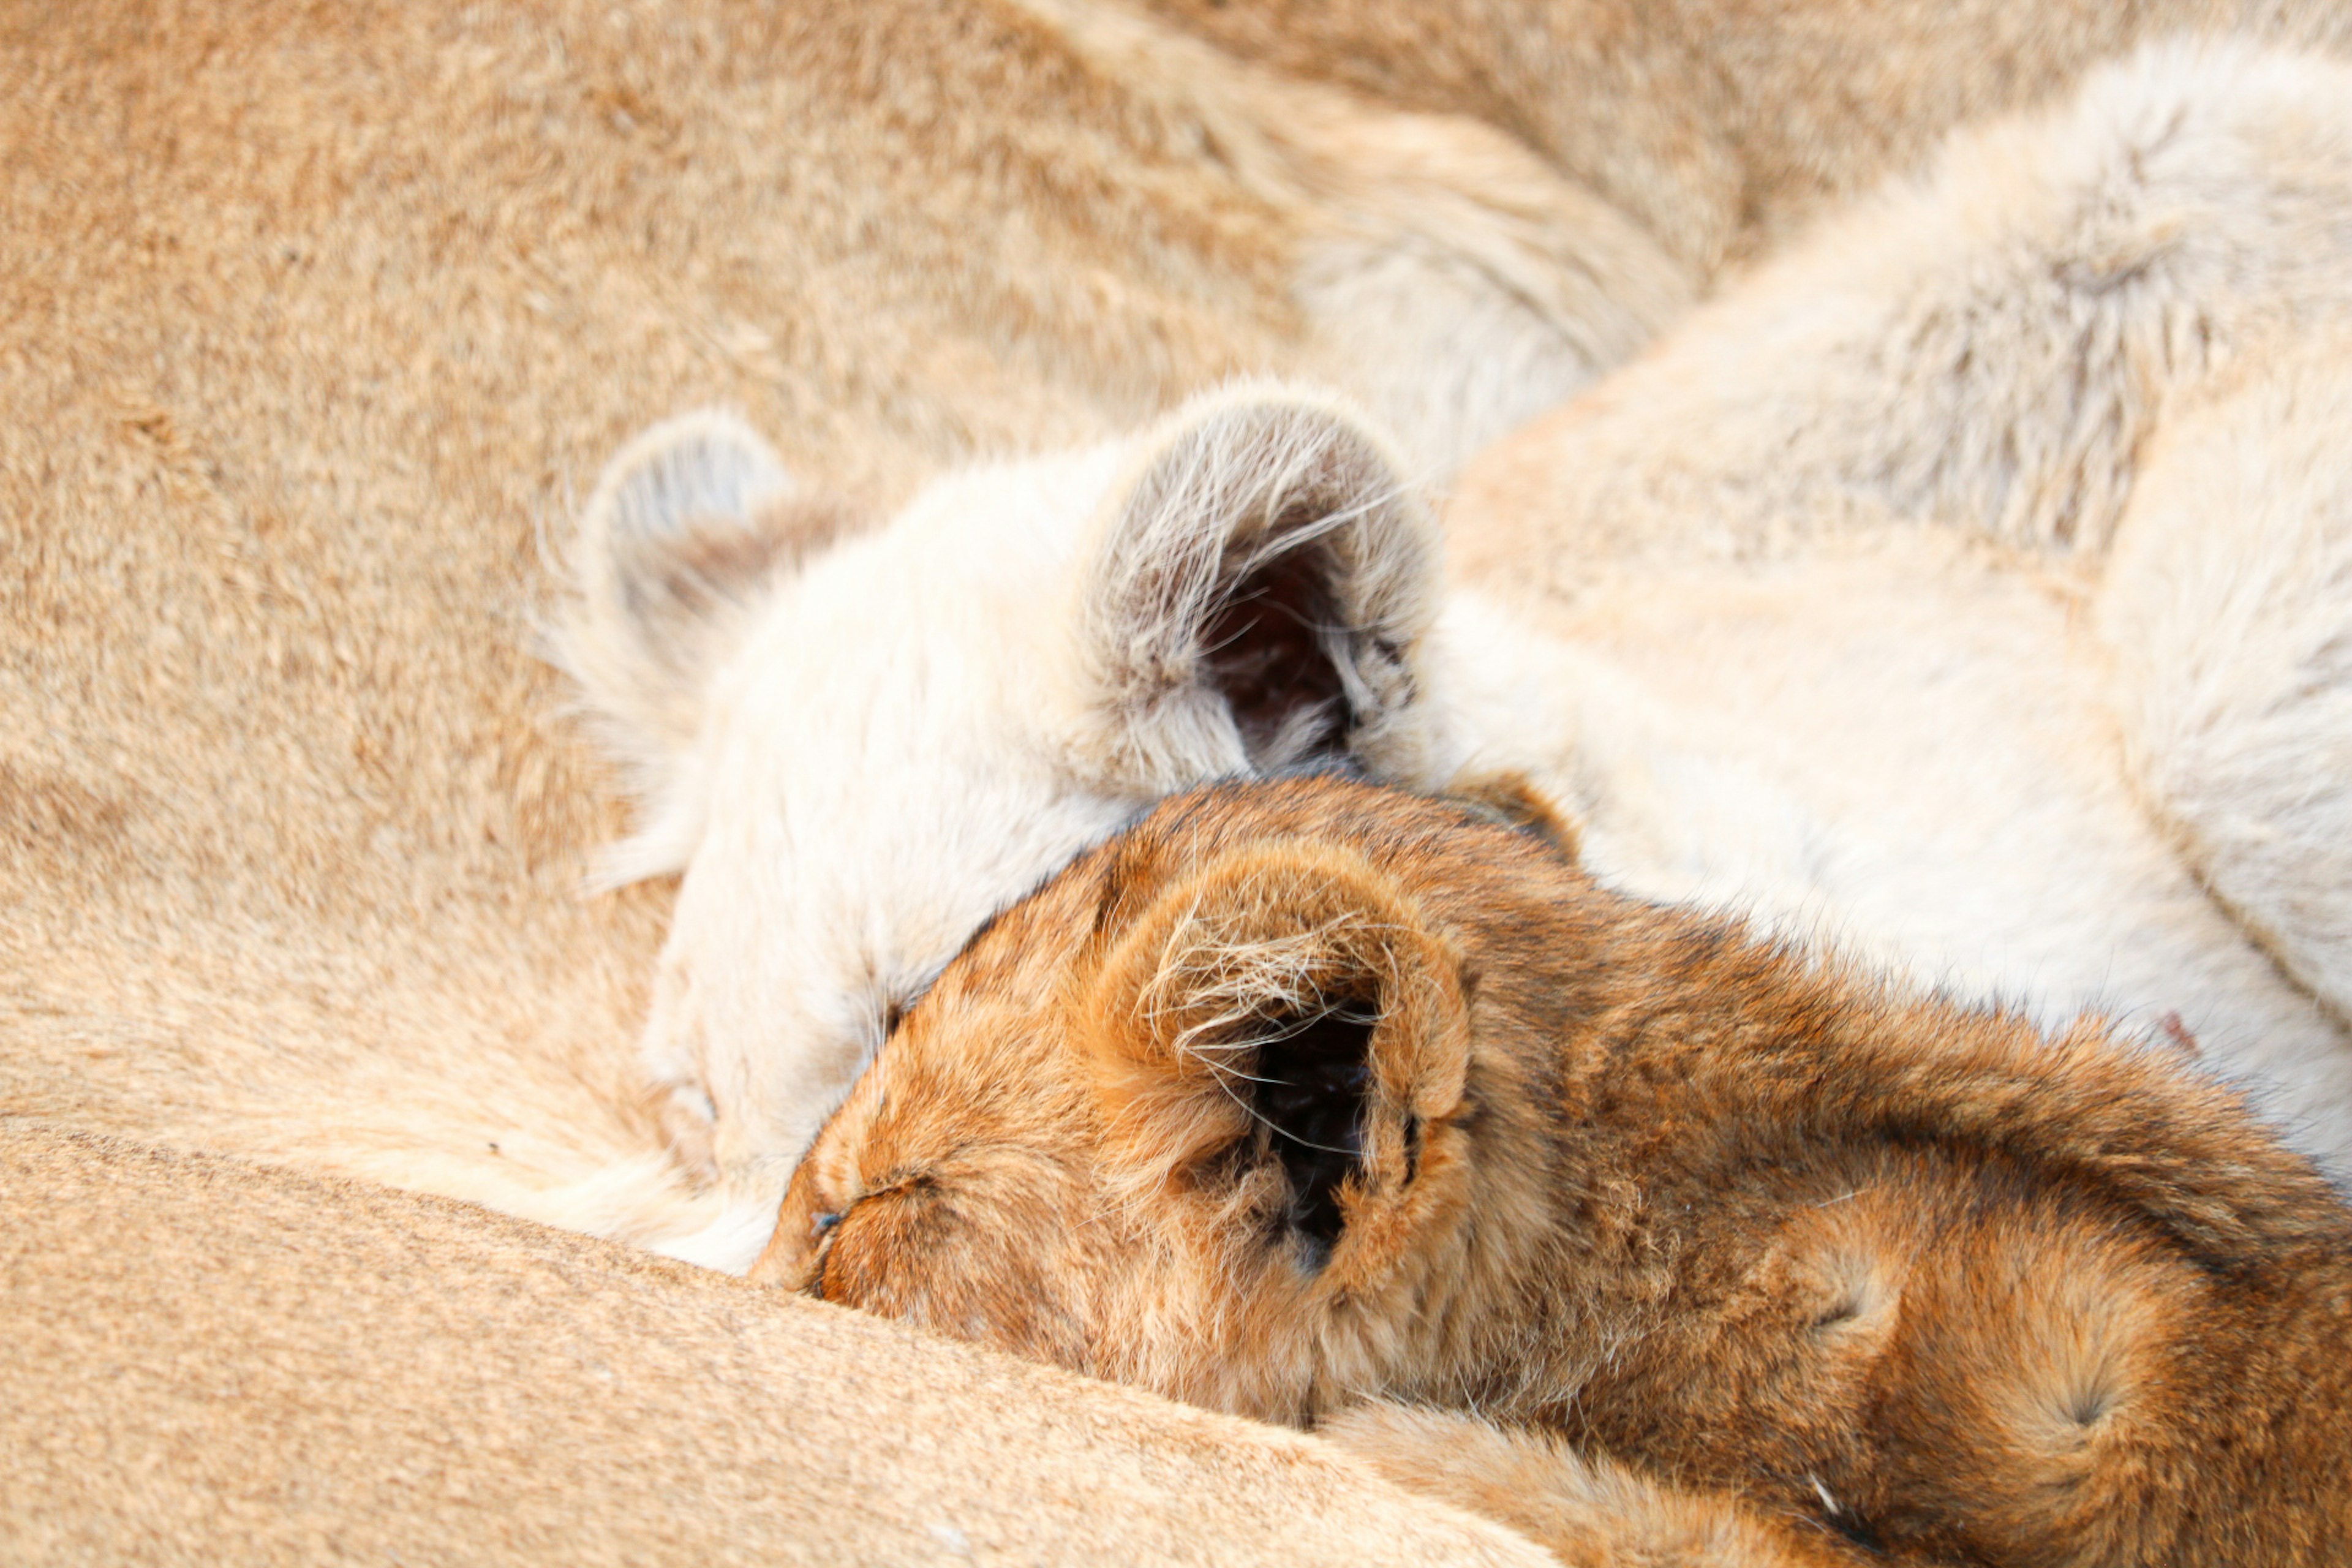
[[1271, 1036], [1309, 1092], [1261, 577], [1267, 647]]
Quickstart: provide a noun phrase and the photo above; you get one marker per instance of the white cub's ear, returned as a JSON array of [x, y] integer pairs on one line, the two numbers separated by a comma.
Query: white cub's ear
[[1261, 577], [689, 524]]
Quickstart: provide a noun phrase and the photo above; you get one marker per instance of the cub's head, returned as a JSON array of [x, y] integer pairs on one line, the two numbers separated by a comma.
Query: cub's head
[[856, 743], [1199, 1114]]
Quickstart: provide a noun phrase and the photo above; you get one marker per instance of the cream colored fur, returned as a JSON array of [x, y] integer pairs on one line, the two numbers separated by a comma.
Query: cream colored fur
[[1942, 653], [2234, 664], [1790, 614]]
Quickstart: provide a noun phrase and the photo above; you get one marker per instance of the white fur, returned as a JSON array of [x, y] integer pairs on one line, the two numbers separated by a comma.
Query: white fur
[[1730, 641], [698, 471], [873, 775], [2229, 604]]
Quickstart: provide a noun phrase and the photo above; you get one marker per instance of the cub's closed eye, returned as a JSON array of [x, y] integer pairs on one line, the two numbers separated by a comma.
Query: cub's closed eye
[[892, 1012], [823, 1229]]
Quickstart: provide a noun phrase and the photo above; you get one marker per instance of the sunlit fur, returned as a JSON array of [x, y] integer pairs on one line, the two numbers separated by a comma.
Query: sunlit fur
[[1962, 587], [299, 1371], [320, 323], [1702, 1205]]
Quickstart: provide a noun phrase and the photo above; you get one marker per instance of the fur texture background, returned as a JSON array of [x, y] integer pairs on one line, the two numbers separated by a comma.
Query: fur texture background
[[317, 324], [1967, 637], [1723, 129]]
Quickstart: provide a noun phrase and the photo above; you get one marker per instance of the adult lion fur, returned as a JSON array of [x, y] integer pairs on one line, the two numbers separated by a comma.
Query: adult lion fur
[[316, 324], [1723, 130], [1302, 1093], [251, 1366]]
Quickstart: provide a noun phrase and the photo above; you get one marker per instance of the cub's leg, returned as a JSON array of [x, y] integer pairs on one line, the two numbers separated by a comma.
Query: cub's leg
[[2228, 603], [1588, 1512], [1988, 347]]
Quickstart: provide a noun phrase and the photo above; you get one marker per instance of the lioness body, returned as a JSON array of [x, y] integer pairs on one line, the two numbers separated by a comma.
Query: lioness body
[[1724, 128], [250, 1366], [1301, 1093]]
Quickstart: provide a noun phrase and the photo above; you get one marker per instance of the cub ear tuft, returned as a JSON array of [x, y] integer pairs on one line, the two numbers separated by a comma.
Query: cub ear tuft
[[1262, 576], [688, 527], [1275, 1032]]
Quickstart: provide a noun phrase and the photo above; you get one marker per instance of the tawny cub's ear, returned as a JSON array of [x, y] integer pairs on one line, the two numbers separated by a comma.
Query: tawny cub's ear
[[1260, 580], [689, 523], [1275, 1034]]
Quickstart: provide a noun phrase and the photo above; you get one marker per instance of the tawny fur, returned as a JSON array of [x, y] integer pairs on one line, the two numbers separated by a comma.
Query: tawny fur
[[1794, 1262], [1900, 598], [254, 1367]]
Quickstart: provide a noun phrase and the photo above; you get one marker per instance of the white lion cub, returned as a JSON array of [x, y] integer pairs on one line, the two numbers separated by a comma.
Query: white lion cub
[[1972, 586]]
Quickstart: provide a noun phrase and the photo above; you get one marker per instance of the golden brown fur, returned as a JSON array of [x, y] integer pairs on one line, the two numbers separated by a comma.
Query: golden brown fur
[[1303, 1093]]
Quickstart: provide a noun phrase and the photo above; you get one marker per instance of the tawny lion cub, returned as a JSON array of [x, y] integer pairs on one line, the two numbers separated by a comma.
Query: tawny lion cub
[[1302, 1093]]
